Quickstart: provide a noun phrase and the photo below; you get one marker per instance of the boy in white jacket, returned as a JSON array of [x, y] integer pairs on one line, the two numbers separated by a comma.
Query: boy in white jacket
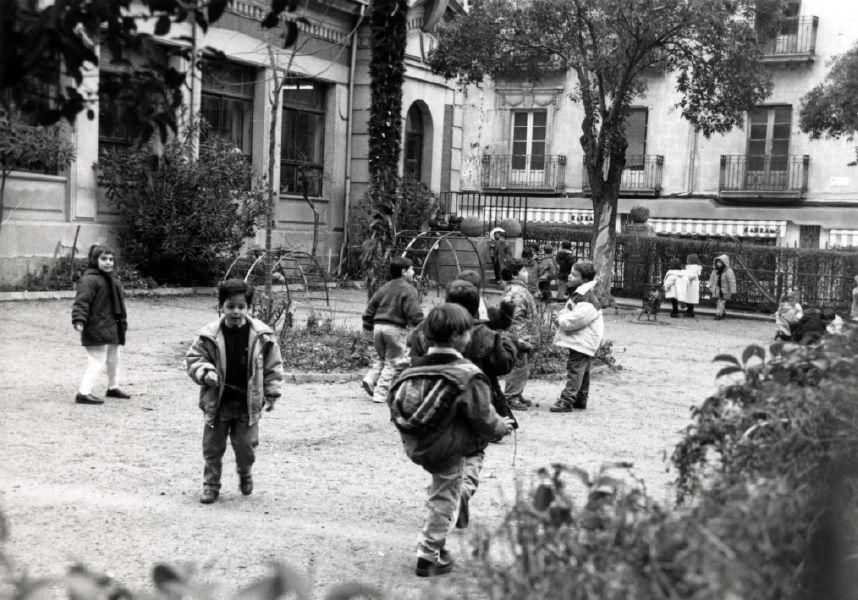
[[580, 329]]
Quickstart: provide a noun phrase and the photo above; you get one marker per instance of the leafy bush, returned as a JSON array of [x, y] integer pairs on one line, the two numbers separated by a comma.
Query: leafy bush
[[417, 205], [320, 346], [512, 227], [768, 499], [184, 219], [639, 214], [472, 227]]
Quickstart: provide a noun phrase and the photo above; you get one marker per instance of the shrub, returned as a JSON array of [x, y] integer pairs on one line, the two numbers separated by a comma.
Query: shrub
[[512, 227], [320, 346], [184, 219], [639, 214], [472, 227], [416, 206]]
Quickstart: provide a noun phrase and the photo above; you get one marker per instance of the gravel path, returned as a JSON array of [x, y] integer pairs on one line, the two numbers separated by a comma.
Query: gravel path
[[116, 486]]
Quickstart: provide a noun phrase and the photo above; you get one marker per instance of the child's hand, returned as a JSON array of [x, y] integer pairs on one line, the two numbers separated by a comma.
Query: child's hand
[[78, 326], [510, 424], [210, 378], [268, 404]]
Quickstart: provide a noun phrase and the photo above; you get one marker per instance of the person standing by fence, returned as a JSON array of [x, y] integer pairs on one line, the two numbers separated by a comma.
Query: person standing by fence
[[722, 284], [689, 294], [674, 280], [499, 251]]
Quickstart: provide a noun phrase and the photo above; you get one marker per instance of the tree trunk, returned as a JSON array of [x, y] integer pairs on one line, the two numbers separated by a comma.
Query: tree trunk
[[603, 244]]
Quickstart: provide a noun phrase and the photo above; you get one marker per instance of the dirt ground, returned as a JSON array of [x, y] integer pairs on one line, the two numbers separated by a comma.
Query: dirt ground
[[116, 486]]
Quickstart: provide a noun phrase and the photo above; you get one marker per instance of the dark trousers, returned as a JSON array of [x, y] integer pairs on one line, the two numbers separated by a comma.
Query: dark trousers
[[244, 439], [689, 309], [674, 303], [577, 388]]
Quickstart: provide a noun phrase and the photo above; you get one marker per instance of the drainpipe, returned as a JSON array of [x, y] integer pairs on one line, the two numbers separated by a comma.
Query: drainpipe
[[349, 119], [692, 159]]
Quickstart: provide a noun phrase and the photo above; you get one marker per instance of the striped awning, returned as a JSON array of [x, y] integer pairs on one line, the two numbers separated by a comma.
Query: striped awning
[[843, 238], [574, 216], [719, 227]]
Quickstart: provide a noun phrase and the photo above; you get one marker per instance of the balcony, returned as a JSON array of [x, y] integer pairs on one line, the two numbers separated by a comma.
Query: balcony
[[795, 43], [759, 177], [641, 177], [531, 172]]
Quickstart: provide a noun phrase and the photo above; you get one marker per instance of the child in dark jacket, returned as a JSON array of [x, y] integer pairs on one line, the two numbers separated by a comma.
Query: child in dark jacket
[[442, 408], [391, 311], [99, 315], [236, 361]]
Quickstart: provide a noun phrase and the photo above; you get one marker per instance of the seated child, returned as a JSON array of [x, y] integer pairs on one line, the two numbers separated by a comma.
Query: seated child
[[442, 408], [787, 315]]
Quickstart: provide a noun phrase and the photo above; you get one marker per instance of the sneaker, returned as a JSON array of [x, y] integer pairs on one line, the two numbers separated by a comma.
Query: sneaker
[[516, 404], [464, 516], [526, 402], [209, 495], [561, 406], [116, 393], [87, 399], [442, 565], [245, 484], [674, 315], [579, 405], [367, 387]]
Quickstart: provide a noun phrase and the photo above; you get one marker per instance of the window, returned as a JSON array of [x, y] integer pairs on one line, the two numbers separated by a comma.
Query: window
[[636, 124], [116, 131], [302, 138], [414, 143], [528, 140], [227, 103], [768, 138], [35, 93]]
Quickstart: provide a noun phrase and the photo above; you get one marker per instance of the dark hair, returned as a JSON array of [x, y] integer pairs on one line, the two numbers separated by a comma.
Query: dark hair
[[97, 250], [674, 264], [692, 259], [526, 253], [472, 277], [399, 265], [231, 287], [466, 294], [548, 250], [586, 269], [445, 321], [512, 268], [566, 244]]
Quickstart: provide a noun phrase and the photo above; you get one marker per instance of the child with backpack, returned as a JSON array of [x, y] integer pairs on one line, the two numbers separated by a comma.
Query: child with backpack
[[442, 407]]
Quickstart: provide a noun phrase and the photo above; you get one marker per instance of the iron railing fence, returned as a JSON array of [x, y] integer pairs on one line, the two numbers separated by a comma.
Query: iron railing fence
[[523, 172], [797, 36], [764, 173], [642, 174]]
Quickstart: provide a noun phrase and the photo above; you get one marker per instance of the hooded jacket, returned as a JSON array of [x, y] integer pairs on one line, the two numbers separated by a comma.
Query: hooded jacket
[[580, 325], [674, 280], [689, 293], [93, 307], [728, 279], [265, 367], [441, 406]]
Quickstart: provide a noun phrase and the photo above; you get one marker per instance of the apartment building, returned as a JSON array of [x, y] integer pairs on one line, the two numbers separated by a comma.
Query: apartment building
[[766, 183], [325, 110]]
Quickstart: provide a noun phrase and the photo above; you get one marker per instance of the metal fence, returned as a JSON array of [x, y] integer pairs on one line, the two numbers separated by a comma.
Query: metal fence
[[764, 173], [520, 171], [642, 174], [797, 36]]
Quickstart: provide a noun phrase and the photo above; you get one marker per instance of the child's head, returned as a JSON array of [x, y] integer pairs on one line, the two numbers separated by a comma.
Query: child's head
[[548, 250], [102, 257], [514, 269], [464, 293], [791, 296], [235, 298], [674, 264], [401, 267], [471, 277], [527, 254], [449, 325], [566, 245], [583, 270], [692, 259]]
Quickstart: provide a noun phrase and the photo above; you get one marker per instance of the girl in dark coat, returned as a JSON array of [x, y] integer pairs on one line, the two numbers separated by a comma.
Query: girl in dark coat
[[99, 315]]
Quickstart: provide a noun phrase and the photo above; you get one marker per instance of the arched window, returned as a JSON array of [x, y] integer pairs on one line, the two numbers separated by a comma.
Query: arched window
[[414, 143]]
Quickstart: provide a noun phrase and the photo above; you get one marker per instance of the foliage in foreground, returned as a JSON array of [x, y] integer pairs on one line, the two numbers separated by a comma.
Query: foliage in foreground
[[180, 220], [768, 499]]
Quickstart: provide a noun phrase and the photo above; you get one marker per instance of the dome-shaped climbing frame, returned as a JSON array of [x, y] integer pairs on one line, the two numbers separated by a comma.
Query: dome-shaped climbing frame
[[439, 257]]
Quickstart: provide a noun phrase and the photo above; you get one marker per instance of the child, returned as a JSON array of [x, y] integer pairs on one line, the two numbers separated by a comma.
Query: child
[[442, 408], [99, 315], [236, 361], [515, 275], [689, 293], [474, 278], [788, 315], [390, 312], [546, 273], [674, 279], [565, 260], [580, 328], [722, 284], [499, 251]]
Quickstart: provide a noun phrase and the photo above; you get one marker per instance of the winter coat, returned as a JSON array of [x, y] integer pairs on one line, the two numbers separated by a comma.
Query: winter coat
[[580, 325], [690, 292], [674, 280], [442, 408], [93, 307], [208, 353], [546, 269], [517, 293], [499, 251], [728, 280], [394, 303], [787, 316], [565, 261]]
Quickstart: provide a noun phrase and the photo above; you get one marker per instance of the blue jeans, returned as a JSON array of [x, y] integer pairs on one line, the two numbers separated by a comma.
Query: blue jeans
[[389, 342], [244, 441]]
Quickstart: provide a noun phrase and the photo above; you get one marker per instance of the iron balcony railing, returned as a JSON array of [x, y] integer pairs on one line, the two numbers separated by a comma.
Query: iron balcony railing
[[641, 176], [769, 175], [524, 172], [796, 40]]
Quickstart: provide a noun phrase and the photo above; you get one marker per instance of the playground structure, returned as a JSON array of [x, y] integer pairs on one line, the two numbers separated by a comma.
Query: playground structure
[[439, 257]]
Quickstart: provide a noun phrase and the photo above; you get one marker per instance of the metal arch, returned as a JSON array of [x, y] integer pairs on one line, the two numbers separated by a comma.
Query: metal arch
[[437, 237], [294, 255]]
